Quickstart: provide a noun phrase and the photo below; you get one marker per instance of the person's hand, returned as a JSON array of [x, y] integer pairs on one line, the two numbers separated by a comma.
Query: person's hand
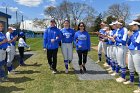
[[52, 40], [79, 46], [129, 33], [57, 37]]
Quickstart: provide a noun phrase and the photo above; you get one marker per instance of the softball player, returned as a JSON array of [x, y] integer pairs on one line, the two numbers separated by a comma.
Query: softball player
[[82, 43], [52, 37], [11, 48], [115, 67], [134, 53], [109, 51], [21, 45], [67, 43], [121, 38], [3, 46], [101, 44]]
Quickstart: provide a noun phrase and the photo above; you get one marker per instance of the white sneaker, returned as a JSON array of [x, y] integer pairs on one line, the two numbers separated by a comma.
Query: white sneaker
[[128, 83], [114, 74], [98, 61], [106, 65], [137, 91], [120, 80], [109, 69], [66, 71], [54, 72]]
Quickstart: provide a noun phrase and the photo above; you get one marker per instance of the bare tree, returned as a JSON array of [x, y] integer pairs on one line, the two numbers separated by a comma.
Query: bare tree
[[120, 11], [71, 11]]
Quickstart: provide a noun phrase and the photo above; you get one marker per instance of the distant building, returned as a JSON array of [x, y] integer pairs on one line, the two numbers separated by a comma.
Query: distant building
[[4, 19]]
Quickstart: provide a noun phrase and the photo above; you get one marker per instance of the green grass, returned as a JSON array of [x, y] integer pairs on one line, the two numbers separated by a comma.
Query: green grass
[[37, 78]]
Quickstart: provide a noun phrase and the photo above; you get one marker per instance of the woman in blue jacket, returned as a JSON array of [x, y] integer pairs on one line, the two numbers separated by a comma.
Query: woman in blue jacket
[[52, 37], [67, 43], [82, 43]]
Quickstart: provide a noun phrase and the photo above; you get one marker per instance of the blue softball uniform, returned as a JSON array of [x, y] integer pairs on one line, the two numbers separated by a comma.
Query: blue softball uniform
[[2, 37], [121, 37], [52, 33], [134, 41], [82, 40]]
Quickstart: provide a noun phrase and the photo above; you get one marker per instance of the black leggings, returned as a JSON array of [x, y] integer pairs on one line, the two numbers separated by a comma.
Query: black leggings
[[52, 57], [82, 54], [21, 52]]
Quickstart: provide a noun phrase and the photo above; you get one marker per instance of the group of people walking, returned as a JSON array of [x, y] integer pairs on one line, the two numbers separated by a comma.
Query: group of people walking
[[67, 37]]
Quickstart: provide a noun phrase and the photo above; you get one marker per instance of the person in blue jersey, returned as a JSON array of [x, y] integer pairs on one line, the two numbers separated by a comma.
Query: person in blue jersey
[[102, 44], [67, 43], [134, 53], [3, 46], [120, 40], [108, 33], [52, 37], [21, 46], [113, 51], [10, 49], [82, 43]]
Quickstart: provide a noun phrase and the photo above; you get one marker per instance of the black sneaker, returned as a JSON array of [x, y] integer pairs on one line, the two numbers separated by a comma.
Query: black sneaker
[[84, 68], [81, 71]]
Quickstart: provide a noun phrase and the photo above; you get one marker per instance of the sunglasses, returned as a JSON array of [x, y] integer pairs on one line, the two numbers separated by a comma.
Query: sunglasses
[[81, 26]]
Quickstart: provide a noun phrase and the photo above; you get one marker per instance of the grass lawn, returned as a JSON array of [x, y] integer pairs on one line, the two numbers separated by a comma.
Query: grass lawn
[[37, 78]]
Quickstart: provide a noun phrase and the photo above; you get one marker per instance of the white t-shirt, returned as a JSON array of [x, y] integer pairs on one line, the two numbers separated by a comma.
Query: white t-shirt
[[21, 43]]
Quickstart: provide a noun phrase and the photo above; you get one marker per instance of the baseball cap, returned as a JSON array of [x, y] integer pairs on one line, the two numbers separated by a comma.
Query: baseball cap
[[134, 23]]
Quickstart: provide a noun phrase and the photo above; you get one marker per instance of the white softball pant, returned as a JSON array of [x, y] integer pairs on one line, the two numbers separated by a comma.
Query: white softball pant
[[67, 51], [2, 55], [11, 51], [134, 61], [121, 56], [114, 53], [102, 45]]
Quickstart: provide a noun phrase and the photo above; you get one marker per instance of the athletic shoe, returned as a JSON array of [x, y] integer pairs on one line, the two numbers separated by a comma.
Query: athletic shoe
[[114, 74], [137, 90], [98, 61], [84, 68], [54, 72], [128, 83], [109, 69], [66, 71], [120, 80], [105, 65], [81, 71]]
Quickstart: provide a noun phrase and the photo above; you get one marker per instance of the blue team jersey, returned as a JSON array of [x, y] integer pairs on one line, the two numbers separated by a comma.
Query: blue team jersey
[[134, 41], [82, 40], [101, 31], [52, 33], [67, 35], [2, 37], [121, 37], [112, 33]]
